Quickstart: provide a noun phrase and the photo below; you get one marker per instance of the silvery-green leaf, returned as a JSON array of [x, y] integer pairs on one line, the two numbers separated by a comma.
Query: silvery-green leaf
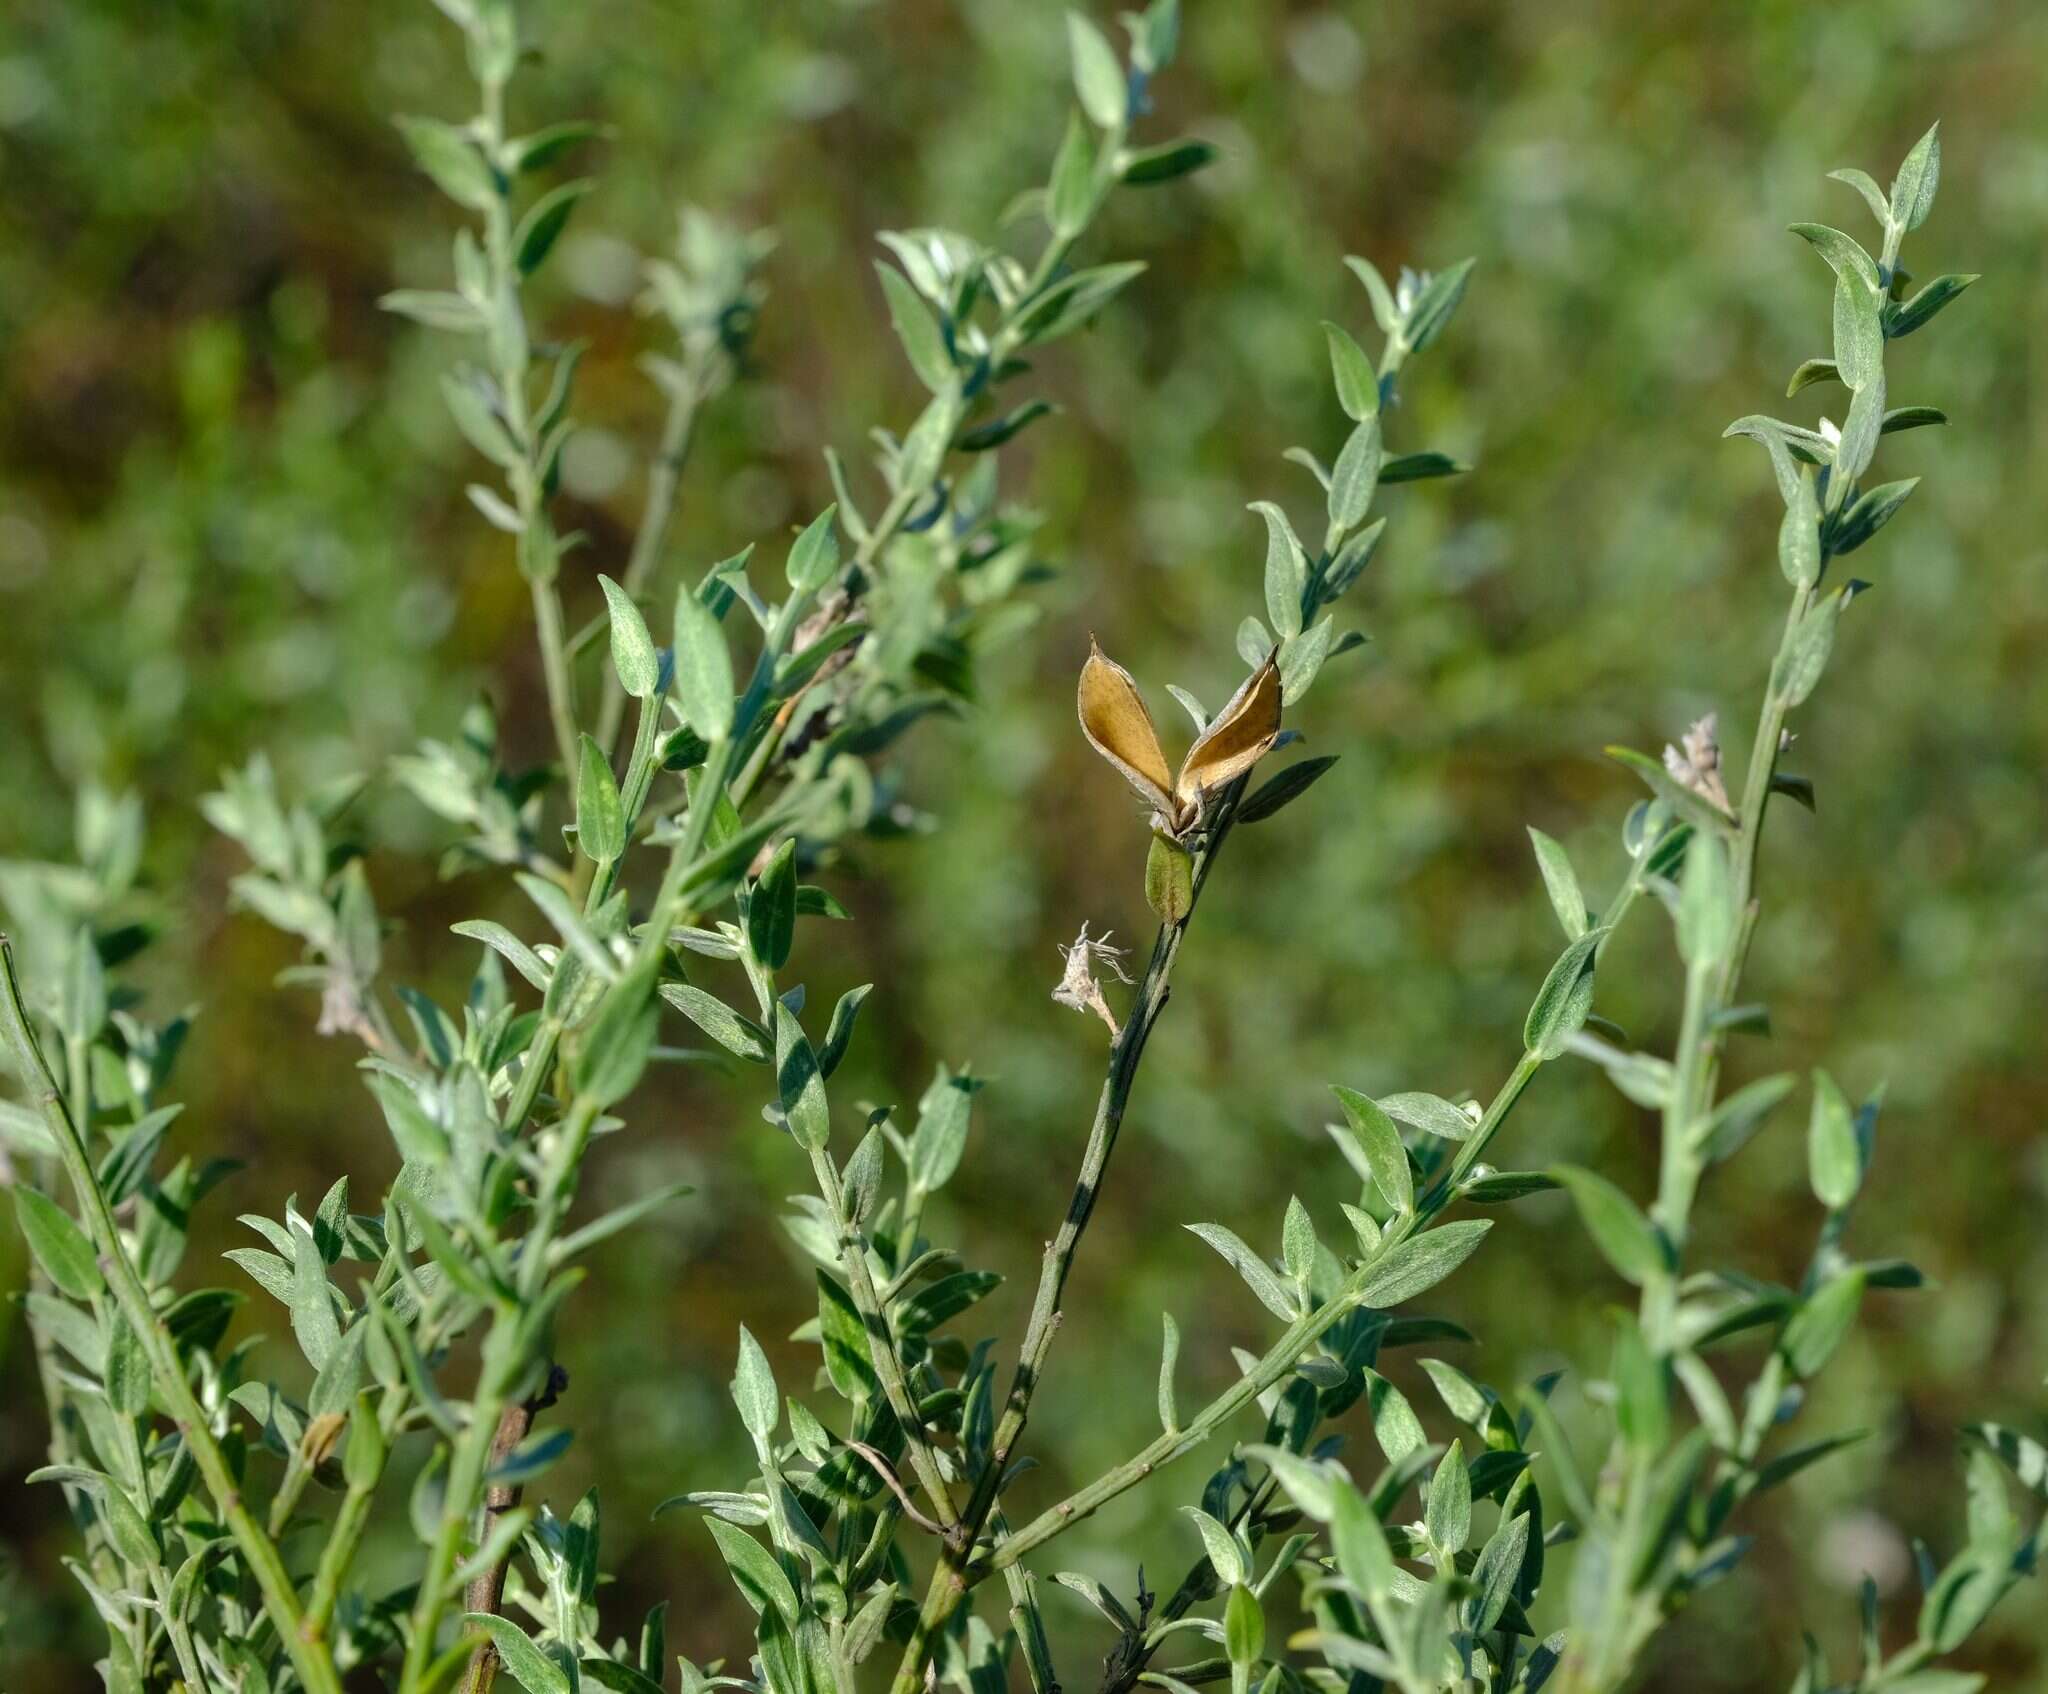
[[1286, 571], [633, 656], [1098, 79], [1258, 1276], [1913, 188]]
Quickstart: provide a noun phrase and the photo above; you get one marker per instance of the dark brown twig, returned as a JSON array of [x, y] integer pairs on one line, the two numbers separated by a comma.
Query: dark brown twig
[[883, 1469], [486, 1591]]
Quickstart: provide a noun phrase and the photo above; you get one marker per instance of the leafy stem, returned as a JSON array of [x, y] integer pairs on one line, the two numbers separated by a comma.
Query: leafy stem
[[280, 1600]]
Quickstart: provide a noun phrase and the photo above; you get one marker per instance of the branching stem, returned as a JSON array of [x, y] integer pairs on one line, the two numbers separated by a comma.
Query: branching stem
[[280, 1600]]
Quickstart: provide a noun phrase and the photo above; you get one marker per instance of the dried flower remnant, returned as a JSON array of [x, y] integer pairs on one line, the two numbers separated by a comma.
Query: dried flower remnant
[[1078, 986], [1119, 727], [1695, 763]]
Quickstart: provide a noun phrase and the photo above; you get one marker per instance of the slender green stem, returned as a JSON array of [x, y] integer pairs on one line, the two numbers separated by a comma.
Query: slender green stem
[[870, 548], [1605, 1661], [1027, 1618], [561, 681], [1278, 1361], [949, 1580], [315, 1668], [502, 1366], [853, 1258], [179, 1633], [344, 1536], [1281, 1358], [466, 1468], [351, 1519], [953, 1577], [664, 481]]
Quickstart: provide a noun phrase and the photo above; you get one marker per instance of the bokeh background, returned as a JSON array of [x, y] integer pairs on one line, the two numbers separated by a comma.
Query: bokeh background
[[231, 519]]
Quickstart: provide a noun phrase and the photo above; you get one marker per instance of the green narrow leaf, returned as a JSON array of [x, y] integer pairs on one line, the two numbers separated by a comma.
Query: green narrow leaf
[[1496, 1571], [1221, 1546], [1447, 1510], [544, 222], [1810, 372], [801, 1086], [1913, 188], [1146, 165], [1244, 1626], [1358, 387], [1169, 1356], [600, 814], [1380, 1142], [1258, 1276], [1739, 1116], [451, 159], [924, 342], [1626, 1239], [840, 1030], [127, 1372], [1433, 307], [1706, 914], [703, 668], [730, 1029], [1420, 467], [1359, 1543], [760, 1580], [1385, 313], [1286, 571], [1070, 195], [619, 1040], [58, 1244], [754, 1391], [1822, 1322], [1395, 1426], [1098, 79], [1904, 319], [1430, 1113], [1808, 650], [1642, 1398], [1561, 883], [940, 1139], [1563, 1003], [771, 909], [1799, 536], [849, 1355], [1873, 196], [1356, 475], [1418, 1265], [633, 655], [1277, 791], [1834, 1156], [1298, 1241], [1870, 512], [531, 1668]]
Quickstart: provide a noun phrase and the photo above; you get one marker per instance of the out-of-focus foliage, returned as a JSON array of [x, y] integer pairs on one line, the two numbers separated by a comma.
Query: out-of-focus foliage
[[230, 516]]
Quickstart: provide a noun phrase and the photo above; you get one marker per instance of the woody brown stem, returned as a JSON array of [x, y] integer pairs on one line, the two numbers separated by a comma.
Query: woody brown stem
[[487, 1591]]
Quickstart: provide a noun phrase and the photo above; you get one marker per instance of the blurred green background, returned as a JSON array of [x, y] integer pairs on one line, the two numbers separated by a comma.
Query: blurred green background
[[231, 519]]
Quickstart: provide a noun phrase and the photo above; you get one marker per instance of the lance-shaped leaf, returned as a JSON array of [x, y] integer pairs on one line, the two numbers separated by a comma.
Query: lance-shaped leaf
[[1259, 1277], [801, 1085], [1418, 1265], [1626, 1239], [633, 655], [1380, 1142]]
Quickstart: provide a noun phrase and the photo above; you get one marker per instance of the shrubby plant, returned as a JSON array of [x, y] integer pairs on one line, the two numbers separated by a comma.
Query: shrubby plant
[[220, 1513]]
